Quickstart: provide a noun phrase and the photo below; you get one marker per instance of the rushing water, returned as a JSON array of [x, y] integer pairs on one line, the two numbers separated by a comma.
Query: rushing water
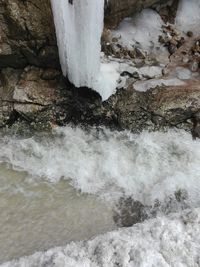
[[40, 215], [61, 187]]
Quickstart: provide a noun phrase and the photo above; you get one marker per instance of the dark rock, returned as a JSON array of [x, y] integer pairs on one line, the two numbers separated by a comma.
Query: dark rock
[[129, 212], [27, 34], [196, 131]]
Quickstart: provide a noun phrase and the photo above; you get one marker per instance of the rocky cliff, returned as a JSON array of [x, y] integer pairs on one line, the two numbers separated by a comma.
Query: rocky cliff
[[33, 90]]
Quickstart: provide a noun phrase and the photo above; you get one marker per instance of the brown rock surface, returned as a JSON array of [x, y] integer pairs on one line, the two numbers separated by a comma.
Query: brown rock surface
[[27, 34]]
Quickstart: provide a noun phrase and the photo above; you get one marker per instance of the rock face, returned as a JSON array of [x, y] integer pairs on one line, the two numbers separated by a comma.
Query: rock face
[[33, 90], [27, 34]]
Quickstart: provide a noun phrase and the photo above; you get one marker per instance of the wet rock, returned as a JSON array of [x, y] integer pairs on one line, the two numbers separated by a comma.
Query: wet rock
[[43, 96], [190, 34], [175, 202], [176, 105], [171, 38], [8, 80], [129, 212], [130, 107]]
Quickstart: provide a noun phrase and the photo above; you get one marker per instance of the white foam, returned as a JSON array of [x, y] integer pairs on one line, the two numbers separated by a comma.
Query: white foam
[[148, 166], [78, 29]]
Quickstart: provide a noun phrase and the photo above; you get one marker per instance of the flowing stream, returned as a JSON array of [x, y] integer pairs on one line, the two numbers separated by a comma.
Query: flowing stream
[[62, 187], [37, 215]]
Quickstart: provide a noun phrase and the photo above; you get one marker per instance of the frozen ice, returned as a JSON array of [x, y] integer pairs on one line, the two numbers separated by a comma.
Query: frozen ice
[[78, 29]]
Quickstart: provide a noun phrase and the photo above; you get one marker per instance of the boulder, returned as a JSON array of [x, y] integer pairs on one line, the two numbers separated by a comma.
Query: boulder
[[27, 34]]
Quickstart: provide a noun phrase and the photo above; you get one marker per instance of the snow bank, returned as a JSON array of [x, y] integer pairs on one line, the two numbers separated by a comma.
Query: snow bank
[[165, 242], [143, 29], [106, 82], [148, 166], [188, 16]]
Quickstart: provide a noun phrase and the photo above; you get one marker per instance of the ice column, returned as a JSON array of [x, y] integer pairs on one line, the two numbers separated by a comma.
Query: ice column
[[79, 24]]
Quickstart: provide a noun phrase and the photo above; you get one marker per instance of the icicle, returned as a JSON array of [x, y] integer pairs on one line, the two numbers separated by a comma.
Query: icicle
[[79, 24]]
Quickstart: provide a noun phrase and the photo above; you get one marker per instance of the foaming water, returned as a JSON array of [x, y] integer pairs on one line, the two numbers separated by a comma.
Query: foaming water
[[51, 186], [38, 215], [110, 164]]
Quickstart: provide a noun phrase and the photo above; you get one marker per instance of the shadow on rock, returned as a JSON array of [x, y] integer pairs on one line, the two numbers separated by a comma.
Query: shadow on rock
[[129, 211]]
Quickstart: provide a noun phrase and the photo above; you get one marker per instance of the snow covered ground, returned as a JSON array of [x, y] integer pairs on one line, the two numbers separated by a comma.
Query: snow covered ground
[[172, 241]]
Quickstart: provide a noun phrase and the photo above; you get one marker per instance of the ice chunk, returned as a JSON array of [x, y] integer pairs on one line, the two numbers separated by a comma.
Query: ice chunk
[[79, 25]]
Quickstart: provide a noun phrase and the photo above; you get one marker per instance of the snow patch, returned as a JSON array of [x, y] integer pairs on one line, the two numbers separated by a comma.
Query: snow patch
[[188, 18]]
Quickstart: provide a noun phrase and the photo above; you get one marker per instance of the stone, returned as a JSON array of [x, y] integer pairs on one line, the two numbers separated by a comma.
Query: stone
[[129, 212]]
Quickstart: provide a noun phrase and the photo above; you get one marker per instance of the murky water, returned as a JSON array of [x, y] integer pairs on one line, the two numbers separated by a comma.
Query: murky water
[[39, 215]]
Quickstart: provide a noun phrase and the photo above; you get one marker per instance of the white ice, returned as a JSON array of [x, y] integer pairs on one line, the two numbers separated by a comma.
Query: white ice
[[172, 241], [78, 29], [144, 29]]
